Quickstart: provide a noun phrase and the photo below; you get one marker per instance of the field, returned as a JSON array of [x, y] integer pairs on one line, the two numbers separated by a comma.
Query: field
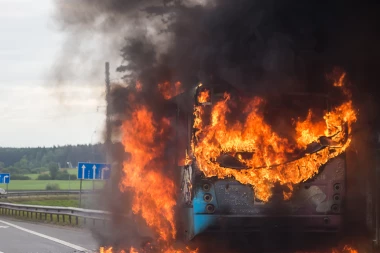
[[34, 184], [66, 201], [15, 185], [70, 171]]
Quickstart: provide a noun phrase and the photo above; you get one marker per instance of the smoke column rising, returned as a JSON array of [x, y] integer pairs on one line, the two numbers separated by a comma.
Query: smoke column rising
[[261, 46]]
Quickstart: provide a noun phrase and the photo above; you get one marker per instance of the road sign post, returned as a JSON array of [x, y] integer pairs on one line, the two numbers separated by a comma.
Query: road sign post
[[92, 171], [80, 193], [5, 178]]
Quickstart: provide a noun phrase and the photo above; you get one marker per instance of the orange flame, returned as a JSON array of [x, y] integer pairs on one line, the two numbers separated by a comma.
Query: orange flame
[[168, 90], [110, 250], [269, 163], [154, 192], [204, 96], [339, 82]]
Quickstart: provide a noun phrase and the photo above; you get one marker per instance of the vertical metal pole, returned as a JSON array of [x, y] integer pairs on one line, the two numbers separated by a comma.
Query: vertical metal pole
[[108, 141], [80, 193], [176, 139], [376, 188], [108, 112]]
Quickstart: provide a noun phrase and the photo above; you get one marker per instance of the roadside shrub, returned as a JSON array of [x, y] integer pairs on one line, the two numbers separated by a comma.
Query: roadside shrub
[[35, 171], [44, 177], [52, 187], [20, 177], [64, 175], [24, 171], [43, 169]]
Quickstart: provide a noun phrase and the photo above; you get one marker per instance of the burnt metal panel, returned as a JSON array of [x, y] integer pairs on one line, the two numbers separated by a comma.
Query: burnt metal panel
[[316, 205]]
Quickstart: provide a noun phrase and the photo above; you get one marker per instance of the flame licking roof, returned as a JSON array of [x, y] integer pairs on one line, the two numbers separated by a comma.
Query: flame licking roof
[[270, 161]]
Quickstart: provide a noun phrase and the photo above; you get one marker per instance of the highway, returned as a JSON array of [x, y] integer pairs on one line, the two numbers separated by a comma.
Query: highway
[[25, 237]]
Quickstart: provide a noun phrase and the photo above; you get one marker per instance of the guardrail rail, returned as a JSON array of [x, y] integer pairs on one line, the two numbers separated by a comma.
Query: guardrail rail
[[12, 194], [41, 212]]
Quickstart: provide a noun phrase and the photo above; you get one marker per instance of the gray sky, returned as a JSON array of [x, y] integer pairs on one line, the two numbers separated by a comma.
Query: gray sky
[[34, 110]]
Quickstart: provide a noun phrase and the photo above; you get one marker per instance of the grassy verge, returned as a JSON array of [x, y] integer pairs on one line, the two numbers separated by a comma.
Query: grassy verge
[[15, 185], [88, 202], [46, 201]]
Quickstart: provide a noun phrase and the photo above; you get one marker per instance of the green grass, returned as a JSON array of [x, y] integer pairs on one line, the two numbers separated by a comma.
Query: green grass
[[72, 171], [32, 176], [71, 201], [89, 202], [15, 185]]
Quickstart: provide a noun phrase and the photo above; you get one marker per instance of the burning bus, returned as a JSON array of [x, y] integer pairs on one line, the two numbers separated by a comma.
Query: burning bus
[[214, 158], [239, 174]]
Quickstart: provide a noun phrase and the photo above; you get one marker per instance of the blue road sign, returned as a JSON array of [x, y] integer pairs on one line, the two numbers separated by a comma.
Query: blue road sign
[[5, 178], [94, 171]]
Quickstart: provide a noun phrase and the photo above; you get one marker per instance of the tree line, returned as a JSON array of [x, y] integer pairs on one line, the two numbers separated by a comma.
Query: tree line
[[21, 161]]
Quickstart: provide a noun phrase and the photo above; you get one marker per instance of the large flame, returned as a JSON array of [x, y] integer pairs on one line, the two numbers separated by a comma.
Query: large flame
[[146, 173], [169, 90], [154, 191], [270, 161]]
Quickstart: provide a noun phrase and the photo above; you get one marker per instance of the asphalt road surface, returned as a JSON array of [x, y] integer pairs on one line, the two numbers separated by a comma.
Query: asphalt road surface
[[26, 237]]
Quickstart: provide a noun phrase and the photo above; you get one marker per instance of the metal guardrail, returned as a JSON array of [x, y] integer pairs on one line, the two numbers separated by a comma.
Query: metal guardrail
[[44, 193], [43, 212]]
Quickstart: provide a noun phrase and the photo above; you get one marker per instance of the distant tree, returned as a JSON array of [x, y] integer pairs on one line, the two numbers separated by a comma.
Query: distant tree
[[5, 170], [16, 159], [53, 169]]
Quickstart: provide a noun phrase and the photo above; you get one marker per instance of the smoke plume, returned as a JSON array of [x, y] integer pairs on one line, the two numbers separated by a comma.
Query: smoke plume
[[262, 47]]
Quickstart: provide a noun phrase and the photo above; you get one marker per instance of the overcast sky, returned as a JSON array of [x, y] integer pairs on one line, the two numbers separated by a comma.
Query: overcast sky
[[34, 110]]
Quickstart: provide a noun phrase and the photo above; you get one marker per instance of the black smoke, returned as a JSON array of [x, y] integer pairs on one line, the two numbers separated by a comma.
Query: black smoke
[[261, 47]]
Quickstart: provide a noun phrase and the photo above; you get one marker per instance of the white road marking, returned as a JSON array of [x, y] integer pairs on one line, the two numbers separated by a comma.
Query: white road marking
[[73, 246], [3, 227]]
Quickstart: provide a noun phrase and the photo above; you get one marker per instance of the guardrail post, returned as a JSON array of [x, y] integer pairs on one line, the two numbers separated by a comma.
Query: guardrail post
[[70, 219], [58, 218], [76, 219]]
